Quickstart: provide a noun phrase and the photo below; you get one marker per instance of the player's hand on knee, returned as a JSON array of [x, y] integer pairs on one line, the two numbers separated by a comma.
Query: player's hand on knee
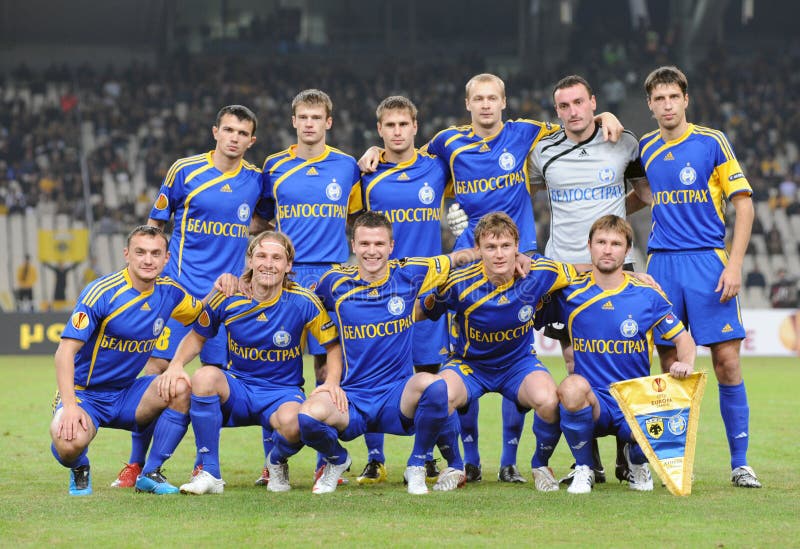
[[680, 370], [369, 161], [337, 394], [457, 220], [168, 382], [72, 419]]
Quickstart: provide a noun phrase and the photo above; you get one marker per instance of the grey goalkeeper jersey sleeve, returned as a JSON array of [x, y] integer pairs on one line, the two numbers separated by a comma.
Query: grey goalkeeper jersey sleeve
[[584, 181]]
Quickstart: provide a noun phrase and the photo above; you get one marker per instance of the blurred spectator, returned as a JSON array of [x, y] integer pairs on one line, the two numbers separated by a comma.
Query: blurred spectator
[[787, 189], [774, 241], [783, 293], [27, 275], [60, 287], [794, 207], [755, 279]]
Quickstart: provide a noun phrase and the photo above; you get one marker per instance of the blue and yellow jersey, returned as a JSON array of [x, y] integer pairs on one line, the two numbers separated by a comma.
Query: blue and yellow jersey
[[494, 324], [311, 200], [490, 174], [212, 213], [691, 177], [265, 339], [375, 318], [612, 330], [120, 326], [411, 195]]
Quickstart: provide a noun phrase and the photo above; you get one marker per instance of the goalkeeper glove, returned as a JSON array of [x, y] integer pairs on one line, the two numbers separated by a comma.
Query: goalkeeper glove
[[457, 220]]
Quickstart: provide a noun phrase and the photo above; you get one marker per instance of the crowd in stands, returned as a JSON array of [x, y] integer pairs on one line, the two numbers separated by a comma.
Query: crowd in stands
[[134, 122]]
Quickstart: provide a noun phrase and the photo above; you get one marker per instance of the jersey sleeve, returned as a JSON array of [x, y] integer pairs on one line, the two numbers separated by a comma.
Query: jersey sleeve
[[170, 194], [320, 325], [207, 324], [667, 325], [727, 168], [86, 316], [324, 290], [355, 203], [435, 271], [554, 274], [634, 168], [265, 207], [187, 307], [534, 162]]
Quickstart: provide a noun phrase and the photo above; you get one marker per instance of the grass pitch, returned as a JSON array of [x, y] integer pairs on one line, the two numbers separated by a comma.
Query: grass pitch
[[35, 509]]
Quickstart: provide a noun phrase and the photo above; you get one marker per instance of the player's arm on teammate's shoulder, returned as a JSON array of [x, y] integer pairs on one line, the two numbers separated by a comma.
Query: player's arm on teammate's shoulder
[[430, 307], [258, 225], [369, 161], [730, 281], [160, 223], [610, 126], [71, 417], [333, 376], [647, 279], [189, 347], [226, 283], [687, 351]]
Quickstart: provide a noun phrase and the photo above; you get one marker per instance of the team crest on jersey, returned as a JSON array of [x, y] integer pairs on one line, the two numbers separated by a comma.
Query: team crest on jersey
[[507, 160], [426, 194], [204, 320], [677, 425], [333, 191], [243, 212], [525, 313], [281, 338], [654, 427], [607, 175], [162, 202], [688, 175], [396, 306], [80, 321], [629, 328], [158, 325]]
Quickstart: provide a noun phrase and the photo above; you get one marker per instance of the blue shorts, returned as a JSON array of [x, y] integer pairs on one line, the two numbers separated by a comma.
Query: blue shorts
[[307, 275], [214, 352], [114, 408], [506, 381], [251, 404], [430, 343], [689, 279], [611, 420], [377, 411]]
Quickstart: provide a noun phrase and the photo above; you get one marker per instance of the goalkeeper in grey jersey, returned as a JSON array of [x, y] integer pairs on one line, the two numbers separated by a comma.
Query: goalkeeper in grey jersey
[[585, 178]]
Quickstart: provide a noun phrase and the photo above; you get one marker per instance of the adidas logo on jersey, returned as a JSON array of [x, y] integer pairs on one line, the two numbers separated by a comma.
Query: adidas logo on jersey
[[727, 328], [503, 300], [226, 189], [583, 153], [484, 148], [669, 156], [145, 307], [261, 318], [403, 177], [608, 306], [373, 293], [312, 171]]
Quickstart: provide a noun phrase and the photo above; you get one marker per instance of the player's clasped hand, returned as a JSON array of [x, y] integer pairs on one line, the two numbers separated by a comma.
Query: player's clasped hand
[[680, 370]]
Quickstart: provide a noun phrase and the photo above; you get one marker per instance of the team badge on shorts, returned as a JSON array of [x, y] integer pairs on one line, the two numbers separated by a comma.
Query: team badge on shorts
[[507, 160], [606, 175], [688, 175], [396, 306], [243, 212], [158, 325], [426, 194], [525, 313], [282, 338], [333, 191], [629, 328], [80, 321]]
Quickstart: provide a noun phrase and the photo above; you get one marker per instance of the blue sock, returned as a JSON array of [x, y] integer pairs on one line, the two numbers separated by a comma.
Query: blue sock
[[82, 459], [448, 442], [266, 439], [469, 432], [170, 428], [374, 442], [578, 428], [140, 442], [736, 417], [513, 424], [428, 420], [323, 438], [282, 449], [547, 435], [206, 417]]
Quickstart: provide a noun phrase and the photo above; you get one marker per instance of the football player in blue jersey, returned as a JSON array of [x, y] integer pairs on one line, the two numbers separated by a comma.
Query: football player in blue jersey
[[606, 308], [105, 344], [692, 172], [312, 191], [409, 188], [374, 302], [263, 383]]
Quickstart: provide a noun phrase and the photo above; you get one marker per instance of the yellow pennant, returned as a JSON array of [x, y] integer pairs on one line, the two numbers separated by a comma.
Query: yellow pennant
[[663, 413]]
